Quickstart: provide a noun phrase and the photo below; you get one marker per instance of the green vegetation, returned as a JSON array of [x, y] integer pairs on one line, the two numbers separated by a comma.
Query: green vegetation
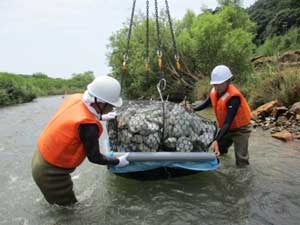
[[205, 41], [227, 35], [277, 45], [274, 17], [271, 83], [16, 89], [136, 82], [221, 38], [278, 31], [250, 41]]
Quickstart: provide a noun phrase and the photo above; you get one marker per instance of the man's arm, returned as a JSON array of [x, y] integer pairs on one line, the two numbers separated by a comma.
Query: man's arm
[[202, 105], [89, 136], [232, 108]]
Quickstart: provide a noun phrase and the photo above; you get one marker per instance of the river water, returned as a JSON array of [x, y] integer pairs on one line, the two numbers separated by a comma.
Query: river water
[[265, 193]]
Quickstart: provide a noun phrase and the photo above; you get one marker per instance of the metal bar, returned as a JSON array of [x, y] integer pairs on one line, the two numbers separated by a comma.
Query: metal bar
[[168, 156]]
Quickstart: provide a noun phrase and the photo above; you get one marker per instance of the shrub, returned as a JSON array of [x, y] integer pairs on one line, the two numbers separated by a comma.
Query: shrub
[[270, 84]]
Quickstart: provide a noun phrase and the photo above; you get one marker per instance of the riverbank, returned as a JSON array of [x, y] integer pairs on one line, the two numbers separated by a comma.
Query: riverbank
[[279, 121], [17, 89], [283, 122]]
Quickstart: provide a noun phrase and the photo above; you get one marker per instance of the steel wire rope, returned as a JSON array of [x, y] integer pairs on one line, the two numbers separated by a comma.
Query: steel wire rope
[[124, 67], [125, 56], [176, 55]]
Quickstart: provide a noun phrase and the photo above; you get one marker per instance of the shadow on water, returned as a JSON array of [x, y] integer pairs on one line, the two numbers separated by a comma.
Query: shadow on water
[[267, 192]]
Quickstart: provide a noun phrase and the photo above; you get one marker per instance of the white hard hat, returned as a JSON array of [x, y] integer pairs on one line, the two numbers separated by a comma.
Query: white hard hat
[[220, 74], [107, 89]]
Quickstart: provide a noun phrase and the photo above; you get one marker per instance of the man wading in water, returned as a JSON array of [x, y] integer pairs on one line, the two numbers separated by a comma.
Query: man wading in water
[[233, 115], [71, 135]]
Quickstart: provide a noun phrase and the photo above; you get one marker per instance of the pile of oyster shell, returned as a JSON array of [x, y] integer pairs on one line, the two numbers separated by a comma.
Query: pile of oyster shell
[[152, 126]]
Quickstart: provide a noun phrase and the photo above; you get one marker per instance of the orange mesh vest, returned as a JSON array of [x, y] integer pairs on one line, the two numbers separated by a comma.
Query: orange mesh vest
[[59, 143], [243, 115]]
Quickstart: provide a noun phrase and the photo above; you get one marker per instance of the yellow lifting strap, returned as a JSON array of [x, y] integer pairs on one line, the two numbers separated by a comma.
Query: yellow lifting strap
[[147, 65], [160, 60], [177, 59]]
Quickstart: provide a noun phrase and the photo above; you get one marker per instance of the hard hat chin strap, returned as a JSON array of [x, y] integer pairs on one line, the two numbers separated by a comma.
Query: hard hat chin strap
[[99, 109]]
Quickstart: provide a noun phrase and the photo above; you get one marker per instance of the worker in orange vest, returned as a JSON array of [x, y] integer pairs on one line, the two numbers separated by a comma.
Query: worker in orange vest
[[233, 115], [73, 134]]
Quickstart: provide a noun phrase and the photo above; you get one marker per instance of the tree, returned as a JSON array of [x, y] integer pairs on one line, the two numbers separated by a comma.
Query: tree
[[204, 41], [237, 3], [221, 38], [39, 75], [81, 80], [283, 21], [274, 17], [138, 83]]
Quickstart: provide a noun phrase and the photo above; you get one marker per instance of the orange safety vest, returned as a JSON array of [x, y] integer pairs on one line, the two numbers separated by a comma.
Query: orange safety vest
[[59, 143], [243, 115]]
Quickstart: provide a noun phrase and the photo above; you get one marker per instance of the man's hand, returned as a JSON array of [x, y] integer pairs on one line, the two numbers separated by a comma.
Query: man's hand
[[123, 160], [108, 116], [195, 105], [215, 148], [186, 105]]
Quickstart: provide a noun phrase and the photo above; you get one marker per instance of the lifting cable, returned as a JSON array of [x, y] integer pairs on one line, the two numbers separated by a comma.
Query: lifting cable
[[147, 59], [176, 55], [124, 64], [161, 85], [125, 56], [159, 51]]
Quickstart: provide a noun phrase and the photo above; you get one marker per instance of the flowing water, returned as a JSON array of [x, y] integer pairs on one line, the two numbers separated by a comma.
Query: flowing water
[[265, 193]]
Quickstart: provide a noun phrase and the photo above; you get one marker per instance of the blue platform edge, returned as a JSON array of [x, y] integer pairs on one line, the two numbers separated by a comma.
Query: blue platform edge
[[208, 165]]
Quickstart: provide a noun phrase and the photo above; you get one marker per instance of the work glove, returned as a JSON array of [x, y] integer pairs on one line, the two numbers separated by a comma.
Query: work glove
[[196, 105], [108, 116], [123, 160]]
